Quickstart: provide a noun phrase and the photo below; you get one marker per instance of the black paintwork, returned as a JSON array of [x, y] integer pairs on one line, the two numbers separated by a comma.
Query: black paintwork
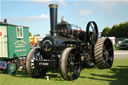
[[52, 46]]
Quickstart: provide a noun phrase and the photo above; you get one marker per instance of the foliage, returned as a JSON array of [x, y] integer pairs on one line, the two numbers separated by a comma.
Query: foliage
[[106, 32], [47, 34], [37, 34], [114, 30], [117, 75], [116, 48], [118, 30], [30, 34]]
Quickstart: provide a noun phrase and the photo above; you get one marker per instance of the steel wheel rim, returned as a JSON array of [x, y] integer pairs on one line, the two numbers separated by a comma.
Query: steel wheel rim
[[73, 66], [31, 69], [92, 35], [108, 53], [34, 70]]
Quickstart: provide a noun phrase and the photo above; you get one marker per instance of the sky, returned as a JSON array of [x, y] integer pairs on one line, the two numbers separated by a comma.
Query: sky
[[35, 13]]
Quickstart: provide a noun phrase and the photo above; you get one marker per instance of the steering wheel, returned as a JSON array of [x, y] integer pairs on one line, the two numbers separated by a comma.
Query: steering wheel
[[92, 32]]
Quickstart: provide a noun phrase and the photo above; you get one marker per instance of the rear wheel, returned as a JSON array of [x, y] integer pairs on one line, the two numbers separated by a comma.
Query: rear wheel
[[70, 64], [103, 53], [35, 53]]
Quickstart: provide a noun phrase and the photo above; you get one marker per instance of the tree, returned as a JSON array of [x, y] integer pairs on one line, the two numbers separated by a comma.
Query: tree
[[106, 32], [124, 29], [120, 30], [47, 34], [114, 31], [37, 34], [117, 30], [30, 34]]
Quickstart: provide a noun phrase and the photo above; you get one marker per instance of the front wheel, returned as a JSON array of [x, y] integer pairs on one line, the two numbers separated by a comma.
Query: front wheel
[[70, 64], [35, 53]]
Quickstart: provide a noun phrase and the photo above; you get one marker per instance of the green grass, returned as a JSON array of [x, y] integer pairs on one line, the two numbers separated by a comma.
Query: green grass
[[116, 48], [117, 75]]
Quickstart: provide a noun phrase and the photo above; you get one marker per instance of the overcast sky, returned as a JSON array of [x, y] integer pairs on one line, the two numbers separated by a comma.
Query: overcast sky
[[35, 13]]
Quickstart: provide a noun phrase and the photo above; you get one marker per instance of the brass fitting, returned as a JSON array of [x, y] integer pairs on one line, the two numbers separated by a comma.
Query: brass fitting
[[53, 5]]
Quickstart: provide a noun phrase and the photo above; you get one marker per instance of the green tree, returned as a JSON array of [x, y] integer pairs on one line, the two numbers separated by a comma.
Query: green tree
[[37, 34], [124, 29], [114, 31], [47, 34], [106, 32], [120, 30], [30, 34]]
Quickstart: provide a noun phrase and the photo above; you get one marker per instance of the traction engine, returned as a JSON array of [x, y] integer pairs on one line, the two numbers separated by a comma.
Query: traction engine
[[68, 50]]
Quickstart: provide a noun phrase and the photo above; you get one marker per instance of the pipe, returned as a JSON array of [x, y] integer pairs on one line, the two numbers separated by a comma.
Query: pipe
[[5, 20], [53, 19]]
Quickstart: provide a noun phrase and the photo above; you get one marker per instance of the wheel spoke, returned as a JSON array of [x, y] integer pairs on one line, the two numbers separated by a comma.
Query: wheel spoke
[[92, 28], [71, 57], [75, 71], [110, 58], [110, 49], [69, 72], [107, 64], [37, 55], [91, 38], [72, 65], [76, 63], [68, 62], [76, 53]]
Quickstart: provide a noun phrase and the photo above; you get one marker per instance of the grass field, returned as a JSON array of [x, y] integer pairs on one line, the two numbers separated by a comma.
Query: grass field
[[117, 75]]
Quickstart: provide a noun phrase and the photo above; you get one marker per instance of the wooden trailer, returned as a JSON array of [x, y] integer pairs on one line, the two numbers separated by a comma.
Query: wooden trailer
[[14, 41]]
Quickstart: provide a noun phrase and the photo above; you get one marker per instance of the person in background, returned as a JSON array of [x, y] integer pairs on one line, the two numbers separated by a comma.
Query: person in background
[[3, 65]]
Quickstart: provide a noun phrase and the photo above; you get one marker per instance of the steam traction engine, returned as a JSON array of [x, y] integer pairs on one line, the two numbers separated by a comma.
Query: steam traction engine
[[67, 50]]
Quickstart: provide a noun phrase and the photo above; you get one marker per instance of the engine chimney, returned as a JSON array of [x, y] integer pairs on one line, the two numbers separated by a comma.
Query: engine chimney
[[53, 18], [5, 20]]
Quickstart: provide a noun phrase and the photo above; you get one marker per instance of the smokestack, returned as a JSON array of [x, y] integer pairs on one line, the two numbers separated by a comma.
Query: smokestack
[[5, 20], [53, 18]]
